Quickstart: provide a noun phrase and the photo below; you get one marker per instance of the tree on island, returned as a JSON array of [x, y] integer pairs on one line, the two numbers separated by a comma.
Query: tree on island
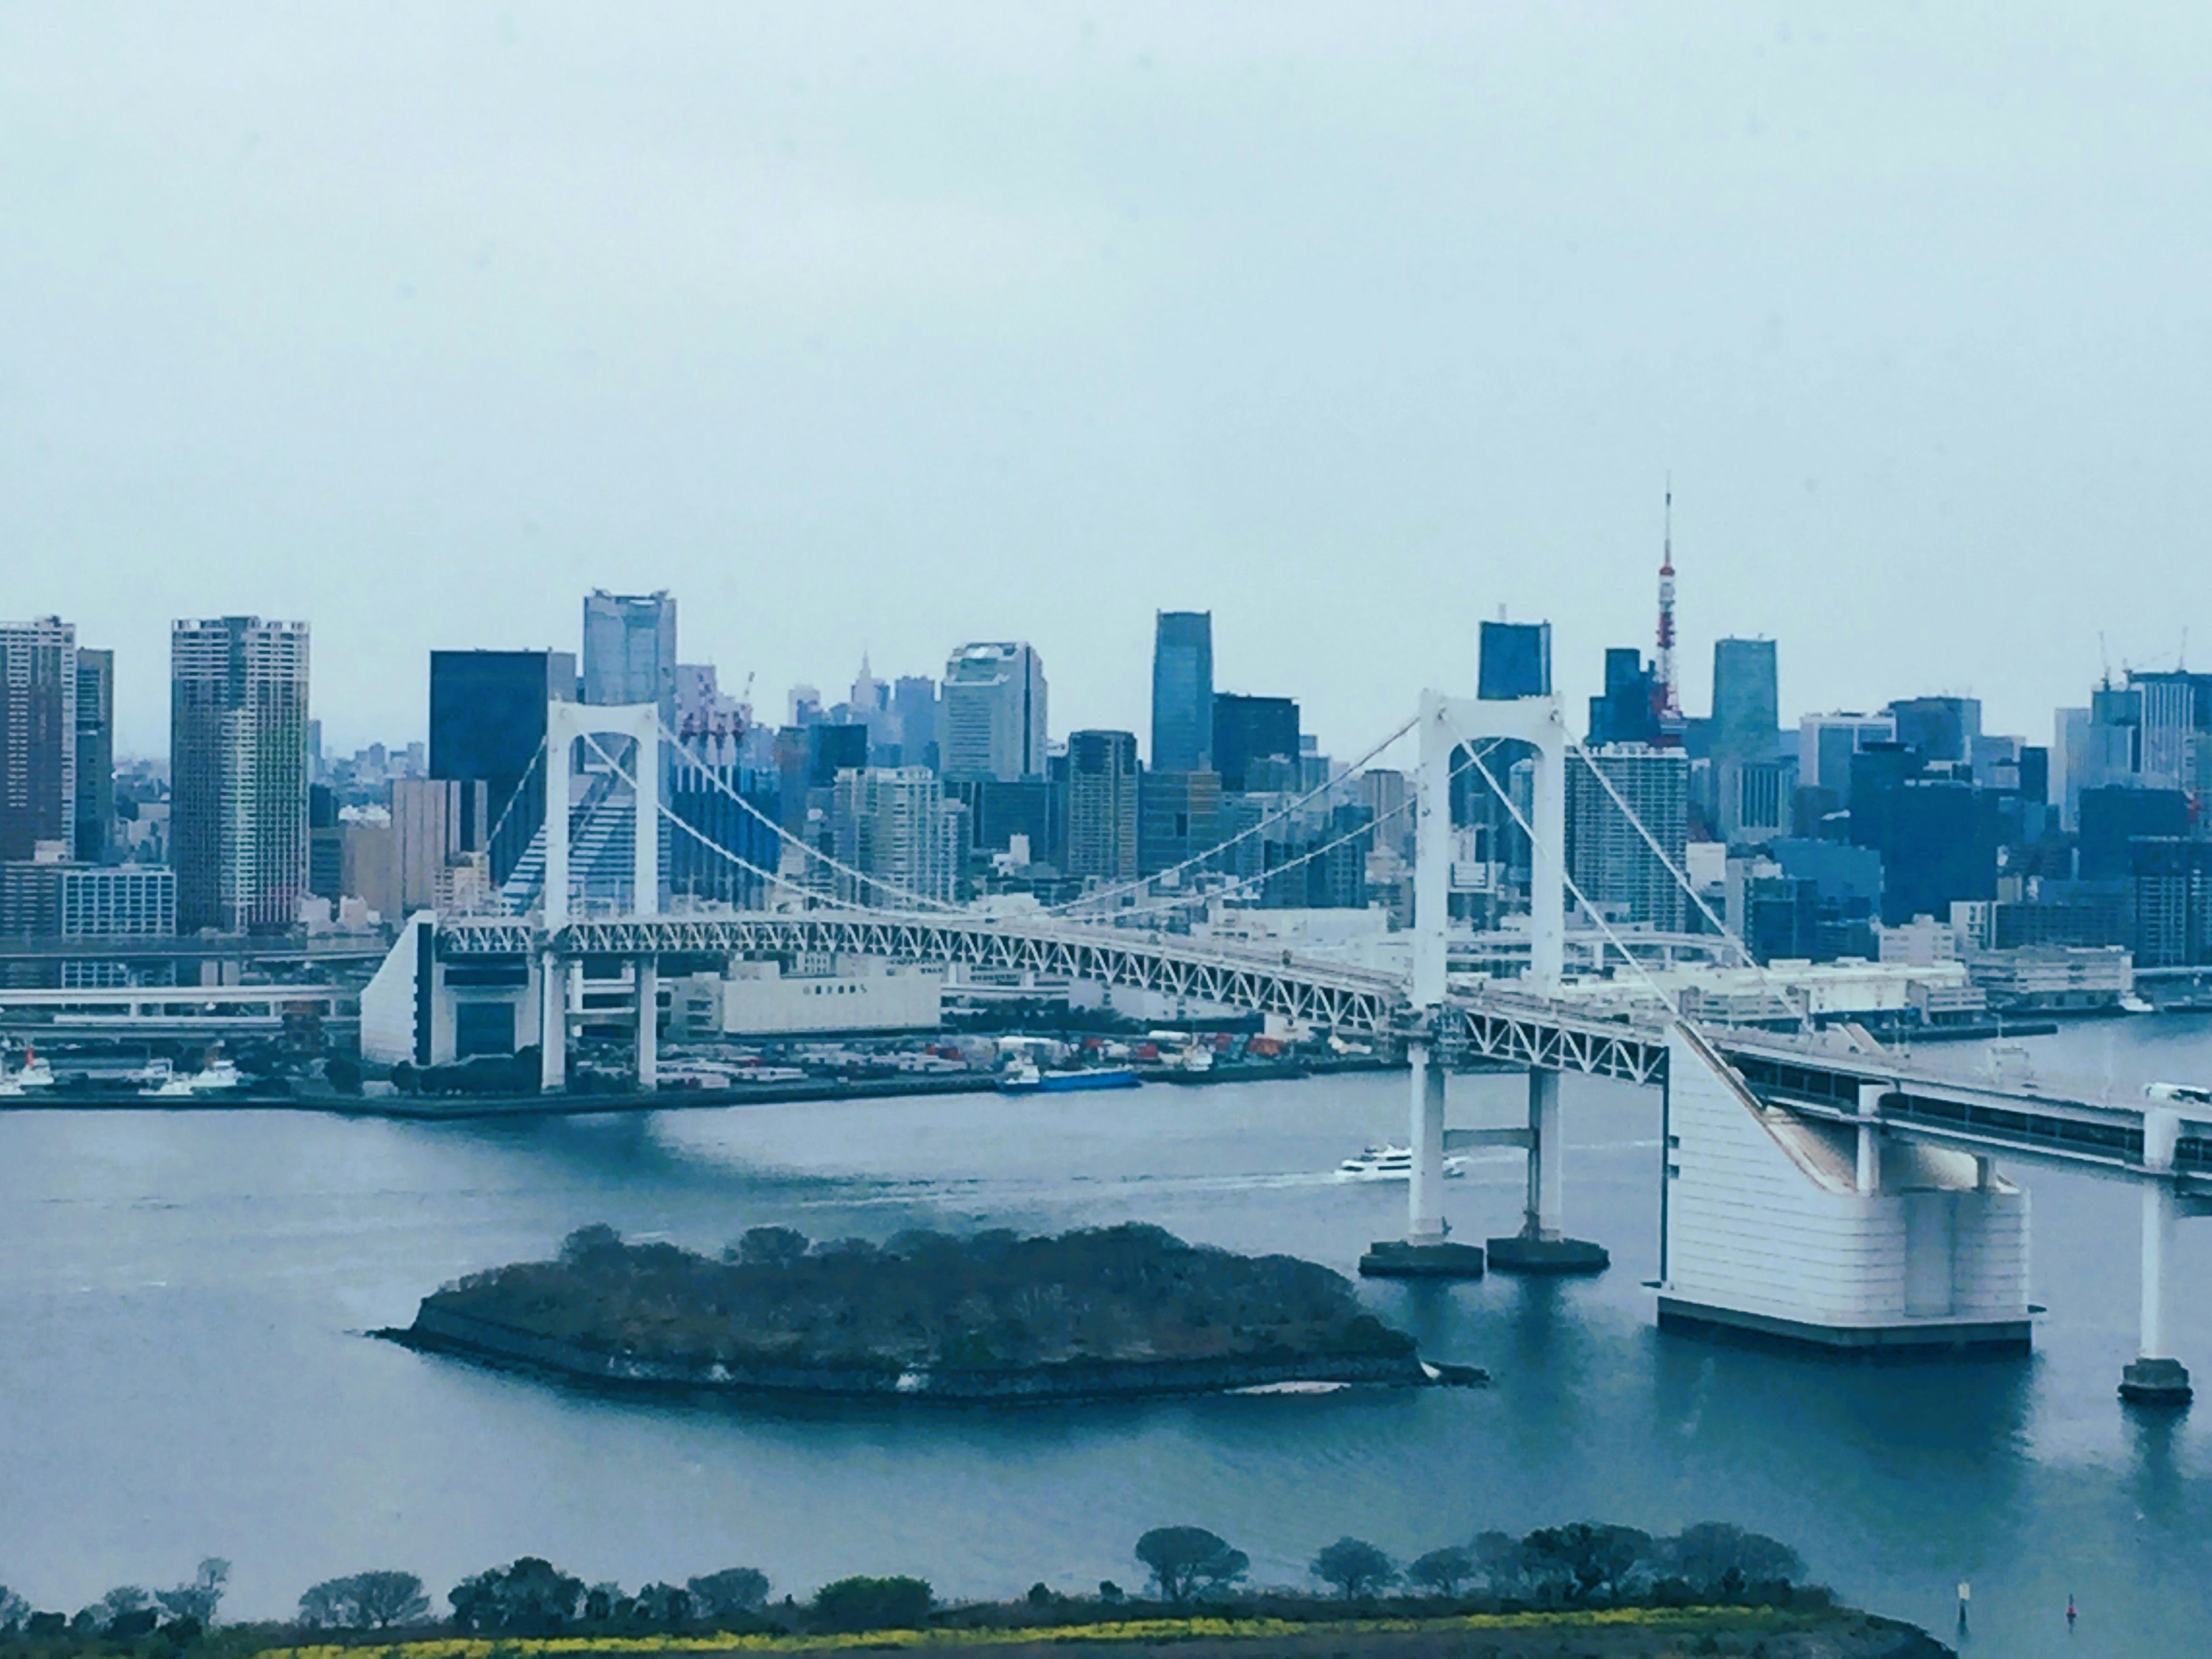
[[530, 1596], [197, 1602], [366, 1601], [862, 1603], [1440, 1572], [732, 1593], [1183, 1560], [1714, 1557], [1355, 1567], [14, 1611]]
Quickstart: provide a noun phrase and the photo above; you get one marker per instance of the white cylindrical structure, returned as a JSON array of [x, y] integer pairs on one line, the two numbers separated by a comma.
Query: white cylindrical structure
[[646, 832], [648, 1023], [1425, 1217], [552, 1023], [1869, 1166], [1546, 1173], [1432, 852], [1548, 866], [2157, 1235], [557, 747]]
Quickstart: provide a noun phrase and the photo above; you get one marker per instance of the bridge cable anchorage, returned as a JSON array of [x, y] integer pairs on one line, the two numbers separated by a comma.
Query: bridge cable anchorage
[[918, 901], [814, 895], [1352, 770], [1680, 879], [1184, 900], [1567, 880]]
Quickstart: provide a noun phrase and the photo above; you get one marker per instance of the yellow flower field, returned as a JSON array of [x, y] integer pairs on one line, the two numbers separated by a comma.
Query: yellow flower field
[[1126, 1629]]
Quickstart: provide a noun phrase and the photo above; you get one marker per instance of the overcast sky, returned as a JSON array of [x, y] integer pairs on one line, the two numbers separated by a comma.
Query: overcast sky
[[888, 327]]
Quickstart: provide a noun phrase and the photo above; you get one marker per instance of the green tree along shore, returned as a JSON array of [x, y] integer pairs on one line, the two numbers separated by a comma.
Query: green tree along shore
[[1708, 1581], [1119, 1309]]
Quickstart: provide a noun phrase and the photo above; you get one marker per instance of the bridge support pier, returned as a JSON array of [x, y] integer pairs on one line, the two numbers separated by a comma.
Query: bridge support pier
[[1542, 1246], [2156, 1379], [648, 1023], [1425, 1252], [552, 1023]]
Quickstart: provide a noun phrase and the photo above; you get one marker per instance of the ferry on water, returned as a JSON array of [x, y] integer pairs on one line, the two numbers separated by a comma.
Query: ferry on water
[[1391, 1164]]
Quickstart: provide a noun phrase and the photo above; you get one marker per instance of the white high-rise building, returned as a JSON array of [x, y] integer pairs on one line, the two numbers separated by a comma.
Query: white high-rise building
[[1607, 856], [888, 823], [992, 713], [238, 772]]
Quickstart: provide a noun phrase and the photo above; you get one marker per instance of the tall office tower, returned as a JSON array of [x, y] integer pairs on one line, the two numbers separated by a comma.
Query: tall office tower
[[1940, 728], [914, 710], [993, 711], [1102, 804], [1514, 659], [2170, 894], [1609, 857], [1627, 710], [38, 735], [1826, 744], [96, 754], [2177, 707], [1746, 702], [238, 773], [1248, 731], [1178, 816], [888, 823], [486, 726], [1183, 691], [629, 649]]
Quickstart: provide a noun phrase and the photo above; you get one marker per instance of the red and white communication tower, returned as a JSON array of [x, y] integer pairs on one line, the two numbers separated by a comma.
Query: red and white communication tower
[[1665, 694]]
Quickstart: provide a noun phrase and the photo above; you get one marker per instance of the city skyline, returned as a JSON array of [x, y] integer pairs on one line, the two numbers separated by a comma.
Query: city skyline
[[365, 347]]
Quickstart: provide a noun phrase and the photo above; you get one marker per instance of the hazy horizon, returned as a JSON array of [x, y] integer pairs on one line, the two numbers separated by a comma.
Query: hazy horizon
[[868, 331]]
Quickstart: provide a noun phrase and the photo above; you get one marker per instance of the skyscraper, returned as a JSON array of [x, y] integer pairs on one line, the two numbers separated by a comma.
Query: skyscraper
[[1102, 804], [1627, 711], [1747, 702], [913, 706], [238, 773], [38, 735], [891, 824], [1183, 691], [1940, 728], [486, 726], [1514, 659], [993, 714], [96, 754], [629, 649], [1608, 857], [1247, 730]]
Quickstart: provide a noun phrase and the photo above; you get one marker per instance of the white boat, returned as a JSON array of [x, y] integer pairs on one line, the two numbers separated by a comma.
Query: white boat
[[1391, 1164], [218, 1073], [36, 1073], [2131, 1002], [169, 1088], [152, 1074], [11, 1089]]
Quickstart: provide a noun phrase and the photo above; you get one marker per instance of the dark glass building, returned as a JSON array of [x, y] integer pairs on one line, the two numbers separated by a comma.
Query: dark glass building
[[2114, 815], [1940, 728], [1514, 659], [1746, 702], [1183, 691], [1248, 729], [487, 725], [1627, 711]]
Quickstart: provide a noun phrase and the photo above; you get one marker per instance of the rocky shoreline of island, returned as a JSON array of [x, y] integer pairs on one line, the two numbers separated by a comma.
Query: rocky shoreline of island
[[1101, 1313]]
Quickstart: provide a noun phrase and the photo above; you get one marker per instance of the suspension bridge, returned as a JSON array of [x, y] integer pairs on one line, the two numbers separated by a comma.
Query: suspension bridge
[[1816, 1188]]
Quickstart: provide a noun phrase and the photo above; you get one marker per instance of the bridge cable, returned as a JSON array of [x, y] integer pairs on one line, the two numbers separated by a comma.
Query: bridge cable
[[918, 901], [812, 894], [1604, 927], [1352, 771], [1117, 917], [1680, 879]]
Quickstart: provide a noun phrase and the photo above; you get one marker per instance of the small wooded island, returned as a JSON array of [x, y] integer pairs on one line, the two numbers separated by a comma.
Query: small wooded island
[[1113, 1311]]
